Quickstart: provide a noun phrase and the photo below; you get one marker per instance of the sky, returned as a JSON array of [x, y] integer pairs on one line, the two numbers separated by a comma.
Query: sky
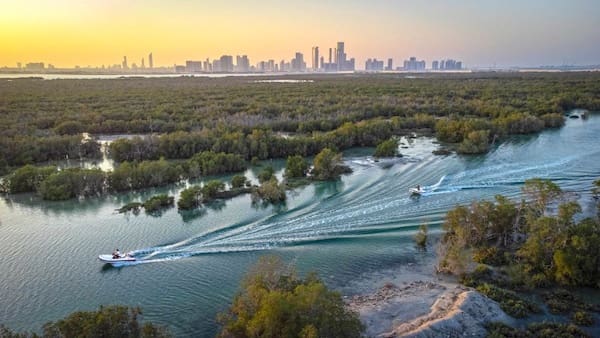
[[481, 33]]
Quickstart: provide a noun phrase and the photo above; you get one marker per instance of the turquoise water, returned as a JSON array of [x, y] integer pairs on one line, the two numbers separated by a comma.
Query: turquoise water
[[191, 264]]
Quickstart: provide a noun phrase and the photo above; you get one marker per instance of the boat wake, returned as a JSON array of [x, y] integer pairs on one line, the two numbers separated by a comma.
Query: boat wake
[[377, 202]]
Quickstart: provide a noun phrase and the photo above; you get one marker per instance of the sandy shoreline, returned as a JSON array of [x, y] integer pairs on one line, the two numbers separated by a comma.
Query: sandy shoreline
[[411, 301]]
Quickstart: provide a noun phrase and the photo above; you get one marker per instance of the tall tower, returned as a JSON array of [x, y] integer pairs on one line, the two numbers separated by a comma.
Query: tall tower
[[330, 53], [341, 56], [150, 61], [315, 58], [124, 64]]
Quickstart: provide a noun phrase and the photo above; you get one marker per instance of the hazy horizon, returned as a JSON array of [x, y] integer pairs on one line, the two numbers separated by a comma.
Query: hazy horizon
[[66, 33]]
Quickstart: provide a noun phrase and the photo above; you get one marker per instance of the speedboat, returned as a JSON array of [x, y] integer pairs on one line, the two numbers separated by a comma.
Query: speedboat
[[416, 191], [120, 259]]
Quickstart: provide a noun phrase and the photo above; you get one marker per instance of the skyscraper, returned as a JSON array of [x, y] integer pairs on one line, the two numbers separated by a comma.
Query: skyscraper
[[242, 64], [374, 65], [298, 64], [341, 57], [389, 65], [413, 65], [124, 64], [315, 58], [224, 64], [193, 66], [150, 61]]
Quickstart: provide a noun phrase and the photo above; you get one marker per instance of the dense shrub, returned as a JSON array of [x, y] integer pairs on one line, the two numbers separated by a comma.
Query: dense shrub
[[108, 321], [295, 166], [158, 202], [475, 142], [582, 318], [211, 188], [189, 198], [145, 174], [509, 301], [270, 191], [388, 148], [211, 163], [266, 174], [274, 302], [328, 165], [534, 330], [73, 182], [421, 236], [230, 115], [238, 181], [28, 178]]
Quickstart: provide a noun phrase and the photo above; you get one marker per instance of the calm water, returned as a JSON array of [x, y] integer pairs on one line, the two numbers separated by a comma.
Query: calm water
[[191, 263]]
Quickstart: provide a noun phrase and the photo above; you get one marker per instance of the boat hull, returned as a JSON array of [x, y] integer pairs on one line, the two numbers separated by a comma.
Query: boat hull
[[110, 259], [415, 191]]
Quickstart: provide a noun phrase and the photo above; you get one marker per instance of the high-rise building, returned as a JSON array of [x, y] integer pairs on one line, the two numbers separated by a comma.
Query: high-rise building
[[150, 61], [373, 65], [143, 65], [335, 56], [450, 64], [35, 66], [216, 66], [341, 57], [226, 63], [412, 65], [390, 65], [435, 65], [315, 58], [124, 64], [193, 66], [242, 64], [330, 52], [298, 64]]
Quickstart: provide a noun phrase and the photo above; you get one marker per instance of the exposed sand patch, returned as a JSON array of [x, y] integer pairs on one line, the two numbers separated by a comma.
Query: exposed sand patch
[[426, 309]]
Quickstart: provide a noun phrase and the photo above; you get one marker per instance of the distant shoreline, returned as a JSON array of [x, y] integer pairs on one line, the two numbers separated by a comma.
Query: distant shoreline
[[78, 75]]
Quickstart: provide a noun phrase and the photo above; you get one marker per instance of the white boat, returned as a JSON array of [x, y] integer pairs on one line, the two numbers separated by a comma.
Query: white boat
[[121, 259], [416, 191]]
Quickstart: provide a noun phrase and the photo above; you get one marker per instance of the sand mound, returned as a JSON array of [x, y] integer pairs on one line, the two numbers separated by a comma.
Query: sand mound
[[426, 309]]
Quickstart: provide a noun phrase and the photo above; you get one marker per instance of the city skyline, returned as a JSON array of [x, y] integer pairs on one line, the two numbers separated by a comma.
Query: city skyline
[[66, 33], [337, 61]]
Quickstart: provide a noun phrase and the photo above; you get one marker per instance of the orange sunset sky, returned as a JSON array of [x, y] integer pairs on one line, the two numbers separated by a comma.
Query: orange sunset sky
[[481, 33]]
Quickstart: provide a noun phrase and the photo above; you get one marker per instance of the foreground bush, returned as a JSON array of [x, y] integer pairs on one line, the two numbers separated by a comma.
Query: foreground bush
[[274, 302], [509, 301], [109, 321], [550, 330]]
